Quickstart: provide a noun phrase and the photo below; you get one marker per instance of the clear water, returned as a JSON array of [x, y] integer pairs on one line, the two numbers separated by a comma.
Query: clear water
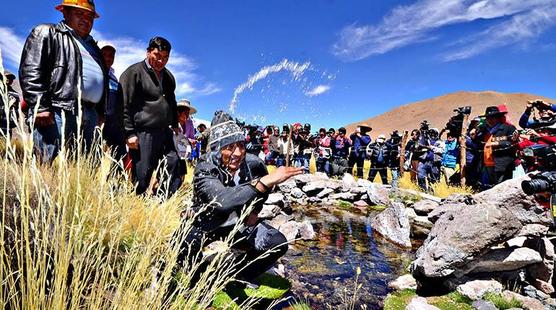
[[323, 271]]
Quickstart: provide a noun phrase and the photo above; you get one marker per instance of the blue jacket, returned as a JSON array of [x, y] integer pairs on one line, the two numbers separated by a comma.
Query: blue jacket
[[359, 147], [451, 154]]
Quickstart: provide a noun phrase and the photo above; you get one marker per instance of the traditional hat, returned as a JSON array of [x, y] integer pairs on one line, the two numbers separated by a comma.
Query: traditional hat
[[184, 103]]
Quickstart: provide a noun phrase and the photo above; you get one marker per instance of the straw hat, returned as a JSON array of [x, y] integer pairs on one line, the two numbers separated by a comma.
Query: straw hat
[[184, 103]]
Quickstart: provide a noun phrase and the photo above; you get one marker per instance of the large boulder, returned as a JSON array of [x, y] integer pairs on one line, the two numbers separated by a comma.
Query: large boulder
[[306, 231], [504, 259], [393, 225], [510, 196], [458, 237]]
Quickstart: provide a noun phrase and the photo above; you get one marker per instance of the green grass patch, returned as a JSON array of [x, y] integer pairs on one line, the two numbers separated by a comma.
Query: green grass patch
[[345, 204], [270, 288], [452, 301], [502, 302], [302, 306], [377, 208], [399, 300]]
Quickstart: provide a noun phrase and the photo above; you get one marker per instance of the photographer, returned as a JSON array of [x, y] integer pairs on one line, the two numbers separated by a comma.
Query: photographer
[[379, 154], [430, 148], [546, 114], [360, 139], [496, 137]]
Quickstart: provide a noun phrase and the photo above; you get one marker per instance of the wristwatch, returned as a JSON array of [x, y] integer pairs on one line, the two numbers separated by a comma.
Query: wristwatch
[[257, 181]]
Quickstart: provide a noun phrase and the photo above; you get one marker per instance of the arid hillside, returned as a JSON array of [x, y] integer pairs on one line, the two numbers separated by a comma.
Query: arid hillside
[[439, 109]]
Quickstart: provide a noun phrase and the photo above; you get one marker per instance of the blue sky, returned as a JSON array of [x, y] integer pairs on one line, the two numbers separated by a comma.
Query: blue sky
[[347, 60]]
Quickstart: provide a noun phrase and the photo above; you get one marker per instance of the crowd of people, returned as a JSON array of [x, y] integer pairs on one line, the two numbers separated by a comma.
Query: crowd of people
[[68, 84]]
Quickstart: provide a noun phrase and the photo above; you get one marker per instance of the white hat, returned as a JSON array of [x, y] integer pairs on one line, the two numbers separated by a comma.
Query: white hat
[[187, 104], [381, 137]]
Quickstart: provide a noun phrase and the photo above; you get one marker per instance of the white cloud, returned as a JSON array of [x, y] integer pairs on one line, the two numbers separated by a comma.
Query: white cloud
[[11, 46], [319, 90], [129, 51], [520, 28], [415, 23]]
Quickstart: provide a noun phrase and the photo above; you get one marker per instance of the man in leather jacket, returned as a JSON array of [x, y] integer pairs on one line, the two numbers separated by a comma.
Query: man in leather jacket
[[61, 64], [227, 180]]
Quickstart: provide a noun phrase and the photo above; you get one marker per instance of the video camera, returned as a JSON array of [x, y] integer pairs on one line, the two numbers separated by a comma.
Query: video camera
[[544, 157], [455, 124]]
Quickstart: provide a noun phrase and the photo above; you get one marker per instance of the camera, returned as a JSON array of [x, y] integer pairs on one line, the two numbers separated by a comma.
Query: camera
[[455, 124], [542, 182], [424, 127]]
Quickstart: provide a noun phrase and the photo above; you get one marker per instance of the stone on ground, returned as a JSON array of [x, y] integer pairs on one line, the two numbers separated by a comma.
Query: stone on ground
[[478, 288]]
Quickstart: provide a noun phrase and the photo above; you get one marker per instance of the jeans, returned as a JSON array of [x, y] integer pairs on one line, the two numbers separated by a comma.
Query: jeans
[[89, 123], [48, 139], [395, 176], [427, 171], [323, 165], [301, 161]]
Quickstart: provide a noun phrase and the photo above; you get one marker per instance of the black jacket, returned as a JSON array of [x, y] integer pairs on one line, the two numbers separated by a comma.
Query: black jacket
[[51, 68], [214, 187], [373, 151], [505, 153], [145, 104]]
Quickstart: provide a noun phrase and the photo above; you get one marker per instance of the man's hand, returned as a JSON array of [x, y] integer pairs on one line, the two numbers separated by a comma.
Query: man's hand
[[252, 219], [133, 143], [280, 175], [43, 119]]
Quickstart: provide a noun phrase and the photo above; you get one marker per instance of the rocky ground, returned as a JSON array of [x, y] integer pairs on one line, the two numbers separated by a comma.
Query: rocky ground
[[477, 246]]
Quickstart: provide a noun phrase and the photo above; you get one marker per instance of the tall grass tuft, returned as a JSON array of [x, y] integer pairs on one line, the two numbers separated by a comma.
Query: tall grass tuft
[[75, 236]]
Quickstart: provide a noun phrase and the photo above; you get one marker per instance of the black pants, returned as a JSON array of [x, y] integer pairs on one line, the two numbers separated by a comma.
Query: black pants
[[380, 169], [356, 160], [257, 240], [154, 146]]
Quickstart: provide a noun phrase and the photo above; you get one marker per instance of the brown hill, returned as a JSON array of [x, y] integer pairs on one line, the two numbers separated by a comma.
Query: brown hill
[[439, 109]]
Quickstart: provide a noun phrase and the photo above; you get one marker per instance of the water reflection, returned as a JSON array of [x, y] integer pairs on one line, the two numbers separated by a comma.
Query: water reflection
[[323, 270]]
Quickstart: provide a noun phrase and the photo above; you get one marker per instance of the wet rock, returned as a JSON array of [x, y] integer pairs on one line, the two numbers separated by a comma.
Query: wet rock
[[483, 305], [420, 303], [425, 206], [325, 192], [276, 199], [290, 230], [533, 230], [510, 196], [393, 225], [404, 282], [542, 272], [348, 182], [528, 302], [297, 193], [503, 260], [269, 211], [458, 237], [379, 195], [287, 186], [306, 231], [280, 220], [478, 288]]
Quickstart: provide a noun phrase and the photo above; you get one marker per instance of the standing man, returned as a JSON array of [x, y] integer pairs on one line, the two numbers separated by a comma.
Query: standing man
[[394, 146], [150, 111], [9, 121], [379, 154], [113, 131], [60, 64], [340, 152], [360, 139]]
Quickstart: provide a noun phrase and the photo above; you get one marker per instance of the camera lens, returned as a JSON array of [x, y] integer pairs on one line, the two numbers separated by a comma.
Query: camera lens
[[535, 186]]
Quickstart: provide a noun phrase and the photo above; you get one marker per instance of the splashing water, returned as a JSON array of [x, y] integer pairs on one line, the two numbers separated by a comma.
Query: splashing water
[[295, 68]]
